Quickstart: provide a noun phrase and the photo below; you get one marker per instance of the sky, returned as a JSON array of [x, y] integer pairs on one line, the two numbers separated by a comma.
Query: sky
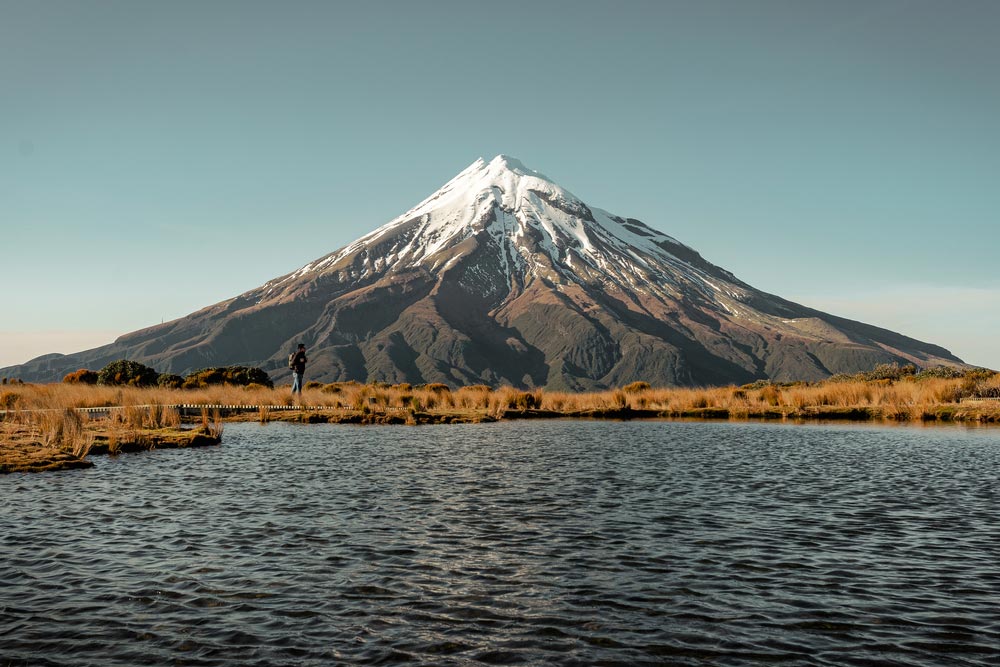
[[156, 158]]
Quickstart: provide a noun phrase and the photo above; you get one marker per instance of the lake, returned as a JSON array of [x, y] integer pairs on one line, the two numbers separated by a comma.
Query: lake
[[539, 542]]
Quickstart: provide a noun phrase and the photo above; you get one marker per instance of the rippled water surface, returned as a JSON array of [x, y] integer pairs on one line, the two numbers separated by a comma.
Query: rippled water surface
[[526, 542]]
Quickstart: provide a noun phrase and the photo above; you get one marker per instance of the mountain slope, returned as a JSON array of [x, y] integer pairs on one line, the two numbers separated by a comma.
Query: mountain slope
[[502, 276]]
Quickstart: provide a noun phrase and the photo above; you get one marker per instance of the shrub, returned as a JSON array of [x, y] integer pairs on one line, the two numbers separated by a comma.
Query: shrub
[[943, 372], [891, 371], [312, 384], [882, 372], [125, 372], [203, 377], [987, 388], [979, 374], [760, 384], [636, 387], [436, 387], [82, 376], [234, 375], [169, 381]]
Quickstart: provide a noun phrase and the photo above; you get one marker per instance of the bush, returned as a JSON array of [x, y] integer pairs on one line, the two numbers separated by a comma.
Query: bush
[[169, 381], [891, 371], [760, 384], [203, 377], [313, 385], [988, 392], [125, 372], [943, 372], [235, 375], [987, 389], [82, 376], [882, 372], [636, 387]]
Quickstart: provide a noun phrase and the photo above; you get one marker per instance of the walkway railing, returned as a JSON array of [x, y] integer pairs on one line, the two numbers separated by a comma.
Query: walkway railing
[[187, 409]]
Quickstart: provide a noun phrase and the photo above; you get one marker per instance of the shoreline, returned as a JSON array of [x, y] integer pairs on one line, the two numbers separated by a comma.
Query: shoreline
[[955, 413], [28, 455], [57, 426]]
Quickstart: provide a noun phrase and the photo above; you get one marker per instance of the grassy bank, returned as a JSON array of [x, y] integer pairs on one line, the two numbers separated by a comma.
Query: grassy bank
[[42, 439], [41, 427], [907, 398]]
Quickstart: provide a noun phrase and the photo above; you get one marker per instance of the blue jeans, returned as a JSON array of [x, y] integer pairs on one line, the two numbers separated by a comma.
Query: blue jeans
[[296, 382]]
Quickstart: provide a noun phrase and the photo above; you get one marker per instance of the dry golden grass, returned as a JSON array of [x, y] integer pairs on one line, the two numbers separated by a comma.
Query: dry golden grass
[[42, 430], [908, 398]]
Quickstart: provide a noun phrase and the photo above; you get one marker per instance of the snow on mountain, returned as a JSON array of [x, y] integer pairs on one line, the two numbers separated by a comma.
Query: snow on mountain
[[525, 213]]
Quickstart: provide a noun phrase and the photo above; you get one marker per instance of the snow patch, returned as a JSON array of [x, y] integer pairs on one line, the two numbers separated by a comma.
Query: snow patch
[[528, 217]]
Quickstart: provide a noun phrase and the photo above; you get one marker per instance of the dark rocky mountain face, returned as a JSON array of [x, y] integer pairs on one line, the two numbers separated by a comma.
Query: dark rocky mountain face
[[503, 277]]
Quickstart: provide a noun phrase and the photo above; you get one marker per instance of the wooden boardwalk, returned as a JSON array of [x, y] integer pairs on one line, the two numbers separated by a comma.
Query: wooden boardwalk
[[189, 409]]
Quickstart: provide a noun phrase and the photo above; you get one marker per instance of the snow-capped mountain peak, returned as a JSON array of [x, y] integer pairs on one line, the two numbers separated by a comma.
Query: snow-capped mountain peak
[[505, 177], [529, 218]]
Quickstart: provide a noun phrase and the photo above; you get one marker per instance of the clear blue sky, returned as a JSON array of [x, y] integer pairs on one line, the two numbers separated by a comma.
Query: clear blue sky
[[158, 157]]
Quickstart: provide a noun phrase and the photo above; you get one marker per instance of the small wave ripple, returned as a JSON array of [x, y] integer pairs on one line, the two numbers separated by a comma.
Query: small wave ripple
[[513, 543]]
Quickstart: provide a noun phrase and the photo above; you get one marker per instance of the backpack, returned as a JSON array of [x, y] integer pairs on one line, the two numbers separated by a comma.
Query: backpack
[[291, 360]]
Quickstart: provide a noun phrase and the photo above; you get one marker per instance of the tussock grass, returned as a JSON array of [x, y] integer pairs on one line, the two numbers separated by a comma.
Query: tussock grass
[[42, 430], [906, 397]]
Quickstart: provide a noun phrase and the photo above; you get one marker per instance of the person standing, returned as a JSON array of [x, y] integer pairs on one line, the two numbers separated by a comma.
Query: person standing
[[297, 362]]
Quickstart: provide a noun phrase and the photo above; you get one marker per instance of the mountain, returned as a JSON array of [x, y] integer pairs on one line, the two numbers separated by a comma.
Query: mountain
[[504, 277]]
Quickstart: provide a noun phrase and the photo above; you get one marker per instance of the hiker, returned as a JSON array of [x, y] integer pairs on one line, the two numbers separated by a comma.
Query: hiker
[[297, 362]]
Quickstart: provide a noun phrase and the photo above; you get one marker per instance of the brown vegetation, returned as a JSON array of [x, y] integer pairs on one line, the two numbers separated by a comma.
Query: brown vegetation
[[82, 376], [41, 418], [907, 397], [57, 436]]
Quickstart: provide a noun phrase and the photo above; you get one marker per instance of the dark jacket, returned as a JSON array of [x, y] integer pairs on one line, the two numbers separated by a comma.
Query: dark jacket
[[299, 362]]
